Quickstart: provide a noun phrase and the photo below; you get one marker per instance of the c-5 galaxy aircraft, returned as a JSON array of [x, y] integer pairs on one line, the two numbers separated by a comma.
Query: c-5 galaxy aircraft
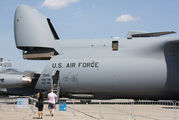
[[16, 82], [140, 66]]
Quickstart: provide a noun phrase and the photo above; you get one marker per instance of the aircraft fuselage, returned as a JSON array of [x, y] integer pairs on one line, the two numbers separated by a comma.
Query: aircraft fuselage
[[141, 68]]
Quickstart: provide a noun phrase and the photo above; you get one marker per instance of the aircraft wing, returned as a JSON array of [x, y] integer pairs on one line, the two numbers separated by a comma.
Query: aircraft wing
[[135, 33]]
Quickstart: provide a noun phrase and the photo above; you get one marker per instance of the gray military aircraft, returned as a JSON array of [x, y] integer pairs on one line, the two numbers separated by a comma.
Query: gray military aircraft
[[16, 82], [140, 66]]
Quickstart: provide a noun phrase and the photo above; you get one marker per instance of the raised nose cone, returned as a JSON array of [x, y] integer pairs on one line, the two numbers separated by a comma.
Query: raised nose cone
[[26, 12], [31, 28]]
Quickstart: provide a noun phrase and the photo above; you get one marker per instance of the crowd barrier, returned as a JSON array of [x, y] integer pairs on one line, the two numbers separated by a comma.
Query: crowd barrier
[[148, 108], [167, 109]]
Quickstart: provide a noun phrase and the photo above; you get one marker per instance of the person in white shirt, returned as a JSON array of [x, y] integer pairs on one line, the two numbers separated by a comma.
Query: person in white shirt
[[51, 103]]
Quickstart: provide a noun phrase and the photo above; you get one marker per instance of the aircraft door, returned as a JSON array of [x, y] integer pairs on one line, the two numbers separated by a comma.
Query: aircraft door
[[55, 83]]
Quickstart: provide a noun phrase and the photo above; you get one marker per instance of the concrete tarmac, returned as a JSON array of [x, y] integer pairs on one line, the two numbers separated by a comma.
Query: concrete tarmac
[[82, 111]]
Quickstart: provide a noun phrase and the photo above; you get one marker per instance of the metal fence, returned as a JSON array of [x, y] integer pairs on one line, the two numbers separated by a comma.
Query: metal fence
[[154, 108], [167, 109]]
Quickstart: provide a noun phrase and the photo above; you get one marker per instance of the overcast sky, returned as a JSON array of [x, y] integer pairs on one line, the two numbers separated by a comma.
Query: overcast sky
[[84, 19]]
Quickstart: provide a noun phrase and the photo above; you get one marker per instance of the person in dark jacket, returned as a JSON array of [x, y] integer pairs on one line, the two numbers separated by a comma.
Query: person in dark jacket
[[40, 98]]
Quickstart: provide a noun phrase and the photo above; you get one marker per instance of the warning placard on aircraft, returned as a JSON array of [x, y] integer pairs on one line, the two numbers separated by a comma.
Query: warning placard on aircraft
[[22, 103]]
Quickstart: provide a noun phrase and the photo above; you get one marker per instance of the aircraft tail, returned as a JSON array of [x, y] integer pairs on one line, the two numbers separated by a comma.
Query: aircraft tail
[[34, 34]]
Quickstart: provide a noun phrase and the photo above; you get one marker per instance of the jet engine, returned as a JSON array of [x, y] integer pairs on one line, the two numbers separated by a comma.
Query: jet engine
[[14, 81]]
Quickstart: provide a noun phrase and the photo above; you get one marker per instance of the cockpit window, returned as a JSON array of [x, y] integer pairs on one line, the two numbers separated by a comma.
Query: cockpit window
[[53, 30], [114, 45]]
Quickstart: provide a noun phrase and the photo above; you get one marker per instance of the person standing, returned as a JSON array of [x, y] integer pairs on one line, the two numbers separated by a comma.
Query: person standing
[[51, 104], [40, 98]]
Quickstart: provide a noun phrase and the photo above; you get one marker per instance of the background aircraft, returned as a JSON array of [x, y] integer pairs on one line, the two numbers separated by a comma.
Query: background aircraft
[[16, 82], [140, 66]]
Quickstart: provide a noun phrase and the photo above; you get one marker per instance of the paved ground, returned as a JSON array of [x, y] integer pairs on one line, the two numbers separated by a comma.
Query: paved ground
[[87, 112]]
